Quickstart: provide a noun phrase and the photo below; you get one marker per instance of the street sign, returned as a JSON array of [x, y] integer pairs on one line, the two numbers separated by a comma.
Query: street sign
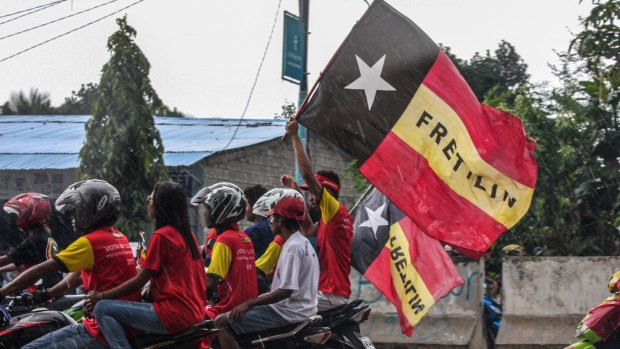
[[293, 52]]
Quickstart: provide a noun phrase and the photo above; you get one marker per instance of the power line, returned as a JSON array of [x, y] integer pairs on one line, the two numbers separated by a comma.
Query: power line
[[35, 10], [56, 20], [32, 8], [69, 32], [247, 104]]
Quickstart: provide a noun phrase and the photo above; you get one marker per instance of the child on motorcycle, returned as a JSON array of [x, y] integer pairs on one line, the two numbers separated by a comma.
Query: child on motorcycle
[[175, 269]]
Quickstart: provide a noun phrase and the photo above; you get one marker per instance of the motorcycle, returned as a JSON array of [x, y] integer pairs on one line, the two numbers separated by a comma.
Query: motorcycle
[[308, 334], [600, 329], [189, 338], [21, 321], [344, 322]]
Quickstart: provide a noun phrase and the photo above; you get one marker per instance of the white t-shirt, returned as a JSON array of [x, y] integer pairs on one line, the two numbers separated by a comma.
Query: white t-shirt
[[297, 270]]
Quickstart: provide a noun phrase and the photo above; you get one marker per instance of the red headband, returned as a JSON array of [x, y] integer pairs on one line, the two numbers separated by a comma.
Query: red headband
[[326, 182]]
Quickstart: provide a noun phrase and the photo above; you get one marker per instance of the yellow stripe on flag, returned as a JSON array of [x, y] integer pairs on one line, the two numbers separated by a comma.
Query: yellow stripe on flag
[[415, 298], [434, 130]]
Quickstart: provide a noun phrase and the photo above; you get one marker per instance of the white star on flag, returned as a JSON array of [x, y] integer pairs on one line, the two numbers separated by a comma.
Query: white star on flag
[[375, 219], [370, 80]]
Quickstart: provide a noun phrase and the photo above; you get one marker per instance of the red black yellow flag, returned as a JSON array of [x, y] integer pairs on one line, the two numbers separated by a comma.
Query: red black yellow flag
[[463, 171], [409, 267]]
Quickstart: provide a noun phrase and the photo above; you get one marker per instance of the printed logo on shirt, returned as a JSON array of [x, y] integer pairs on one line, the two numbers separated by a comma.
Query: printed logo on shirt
[[52, 248]]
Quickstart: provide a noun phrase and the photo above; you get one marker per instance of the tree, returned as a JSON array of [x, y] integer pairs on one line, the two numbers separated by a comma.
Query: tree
[[122, 144], [80, 102], [33, 103], [495, 73], [590, 99]]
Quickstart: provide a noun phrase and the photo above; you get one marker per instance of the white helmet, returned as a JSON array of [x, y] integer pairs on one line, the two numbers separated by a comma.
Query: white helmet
[[269, 199], [225, 201]]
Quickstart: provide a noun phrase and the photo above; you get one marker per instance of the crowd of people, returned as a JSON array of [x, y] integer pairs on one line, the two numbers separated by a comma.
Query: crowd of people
[[267, 276]]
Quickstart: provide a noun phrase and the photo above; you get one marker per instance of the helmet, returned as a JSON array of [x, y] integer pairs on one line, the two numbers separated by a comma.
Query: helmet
[[31, 209], [269, 199], [225, 201], [614, 283], [514, 250], [91, 201]]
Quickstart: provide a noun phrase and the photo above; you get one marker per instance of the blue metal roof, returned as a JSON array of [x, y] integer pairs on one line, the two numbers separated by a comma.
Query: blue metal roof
[[30, 142]]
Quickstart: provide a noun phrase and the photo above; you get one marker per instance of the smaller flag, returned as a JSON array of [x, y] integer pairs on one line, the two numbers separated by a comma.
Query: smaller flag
[[410, 268]]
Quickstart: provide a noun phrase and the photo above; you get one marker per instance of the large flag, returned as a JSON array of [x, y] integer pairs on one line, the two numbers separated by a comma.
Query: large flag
[[409, 267], [464, 172]]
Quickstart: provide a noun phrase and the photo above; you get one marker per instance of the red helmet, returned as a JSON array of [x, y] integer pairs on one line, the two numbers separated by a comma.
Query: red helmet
[[31, 209]]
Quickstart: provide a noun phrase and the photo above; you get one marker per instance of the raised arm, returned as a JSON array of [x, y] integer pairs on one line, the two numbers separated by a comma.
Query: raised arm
[[307, 227], [303, 162]]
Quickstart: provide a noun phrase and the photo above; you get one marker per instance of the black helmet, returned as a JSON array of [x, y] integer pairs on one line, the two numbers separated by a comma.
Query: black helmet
[[91, 202], [225, 201]]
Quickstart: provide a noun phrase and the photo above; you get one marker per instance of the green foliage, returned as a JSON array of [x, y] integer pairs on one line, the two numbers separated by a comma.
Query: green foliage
[[80, 102], [289, 109], [33, 103], [360, 184], [500, 72], [575, 209], [122, 144]]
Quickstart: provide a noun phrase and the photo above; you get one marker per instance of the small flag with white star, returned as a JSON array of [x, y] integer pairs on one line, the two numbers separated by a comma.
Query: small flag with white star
[[463, 171], [410, 268]]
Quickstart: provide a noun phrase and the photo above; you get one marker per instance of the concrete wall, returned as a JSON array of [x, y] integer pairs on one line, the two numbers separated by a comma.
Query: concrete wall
[[265, 163], [453, 322], [49, 182], [544, 298]]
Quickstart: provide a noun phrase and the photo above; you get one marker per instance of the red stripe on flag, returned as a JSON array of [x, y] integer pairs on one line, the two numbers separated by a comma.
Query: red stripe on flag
[[379, 274], [445, 215], [429, 257], [500, 138]]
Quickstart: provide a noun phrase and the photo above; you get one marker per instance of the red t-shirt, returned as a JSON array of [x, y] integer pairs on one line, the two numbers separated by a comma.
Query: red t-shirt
[[334, 241], [232, 260], [105, 260], [179, 285]]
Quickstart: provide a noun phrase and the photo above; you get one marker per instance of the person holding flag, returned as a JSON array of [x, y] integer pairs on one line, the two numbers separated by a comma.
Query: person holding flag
[[334, 231]]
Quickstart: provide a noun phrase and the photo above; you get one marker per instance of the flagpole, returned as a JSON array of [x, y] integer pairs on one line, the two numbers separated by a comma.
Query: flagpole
[[366, 192], [303, 104], [304, 15]]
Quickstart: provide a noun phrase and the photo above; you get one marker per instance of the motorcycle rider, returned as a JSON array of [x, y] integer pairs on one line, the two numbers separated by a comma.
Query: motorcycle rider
[[174, 267], [259, 232], [32, 212], [231, 277], [293, 296], [266, 264], [334, 231], [600, 327], [103, 258]]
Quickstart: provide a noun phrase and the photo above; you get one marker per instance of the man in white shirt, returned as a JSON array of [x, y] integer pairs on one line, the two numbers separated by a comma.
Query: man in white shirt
[[293, 296]]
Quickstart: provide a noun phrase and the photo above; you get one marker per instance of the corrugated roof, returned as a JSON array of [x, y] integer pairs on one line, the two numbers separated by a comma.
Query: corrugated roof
[[53, 141]]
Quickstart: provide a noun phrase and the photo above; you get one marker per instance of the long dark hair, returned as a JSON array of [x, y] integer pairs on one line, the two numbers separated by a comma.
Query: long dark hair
[[170, 206]]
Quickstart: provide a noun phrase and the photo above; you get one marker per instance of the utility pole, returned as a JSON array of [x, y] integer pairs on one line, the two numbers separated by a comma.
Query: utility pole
[[304, 15]]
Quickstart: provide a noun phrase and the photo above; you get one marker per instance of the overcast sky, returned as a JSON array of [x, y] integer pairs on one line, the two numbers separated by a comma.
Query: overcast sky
[[205, 54]]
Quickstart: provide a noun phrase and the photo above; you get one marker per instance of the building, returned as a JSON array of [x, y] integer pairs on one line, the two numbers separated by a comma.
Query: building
[[41, 153]]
